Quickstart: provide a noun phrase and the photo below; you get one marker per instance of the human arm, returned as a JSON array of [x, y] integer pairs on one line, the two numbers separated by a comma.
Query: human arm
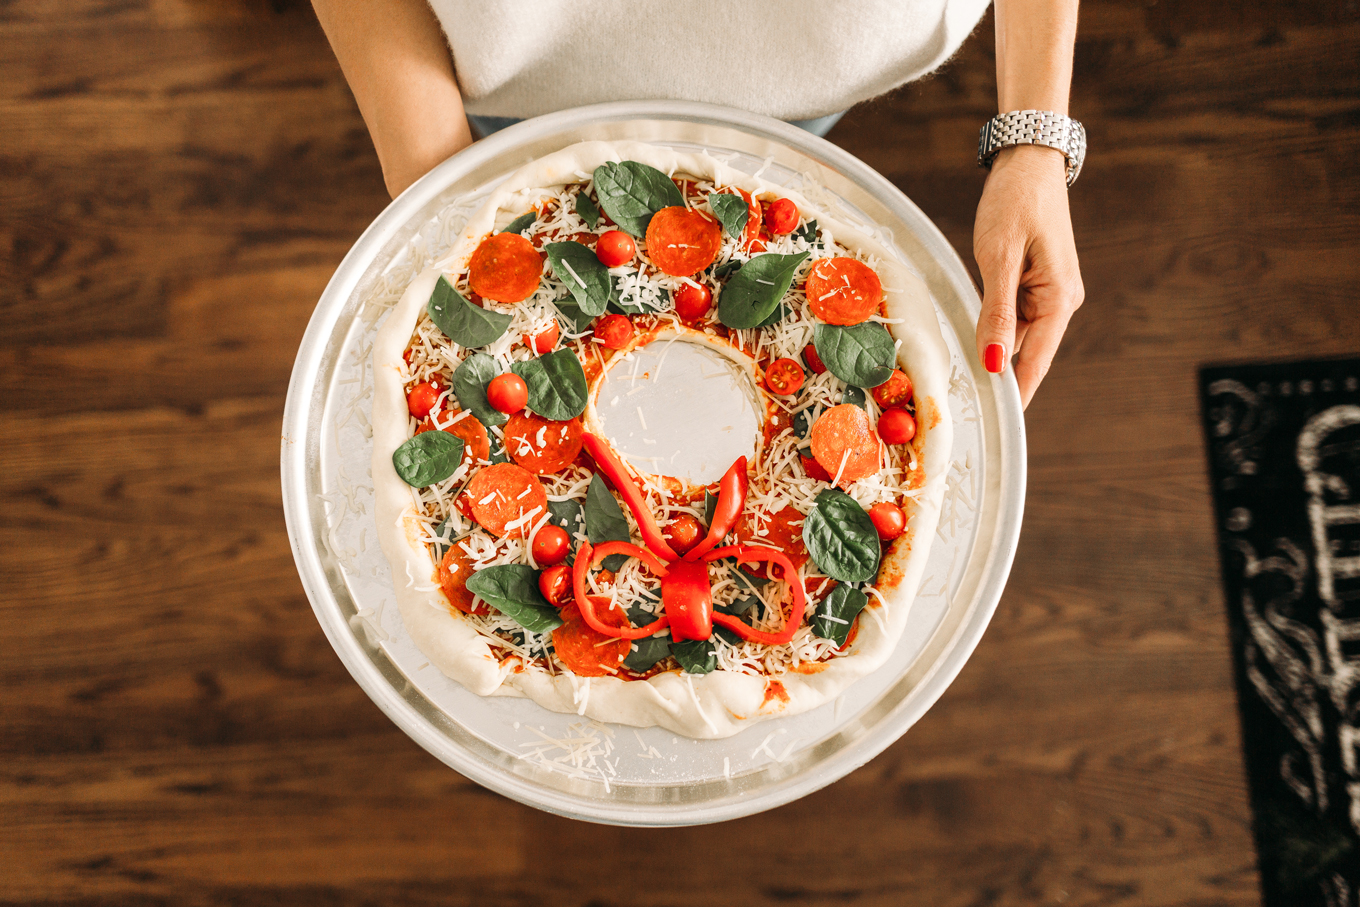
[[396, 61], [1022, 238]]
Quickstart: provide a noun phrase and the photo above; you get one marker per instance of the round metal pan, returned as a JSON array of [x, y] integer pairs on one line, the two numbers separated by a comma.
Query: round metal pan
[[608, 773]]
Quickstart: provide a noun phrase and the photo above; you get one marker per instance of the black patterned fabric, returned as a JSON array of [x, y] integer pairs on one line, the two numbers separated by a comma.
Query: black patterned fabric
[[1284, 457]]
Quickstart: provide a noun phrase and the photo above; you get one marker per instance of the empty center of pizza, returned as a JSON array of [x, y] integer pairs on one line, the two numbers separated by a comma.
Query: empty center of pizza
[[681, 407]]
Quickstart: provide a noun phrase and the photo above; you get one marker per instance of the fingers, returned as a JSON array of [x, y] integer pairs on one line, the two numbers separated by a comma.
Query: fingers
[[1021, 329], [1041, 344], [996, 340]]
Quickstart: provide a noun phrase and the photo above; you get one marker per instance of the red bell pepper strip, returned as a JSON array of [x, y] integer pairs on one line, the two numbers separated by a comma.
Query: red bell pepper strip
[[792, 621], [731, 499], [688, 600], [588, 558], [618, 474]]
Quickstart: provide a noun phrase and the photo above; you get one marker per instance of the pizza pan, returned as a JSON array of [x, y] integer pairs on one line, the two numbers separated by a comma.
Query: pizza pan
[[563, 763]]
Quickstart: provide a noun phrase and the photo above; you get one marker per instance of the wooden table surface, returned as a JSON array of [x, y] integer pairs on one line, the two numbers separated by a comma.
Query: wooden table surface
[[179, 178]]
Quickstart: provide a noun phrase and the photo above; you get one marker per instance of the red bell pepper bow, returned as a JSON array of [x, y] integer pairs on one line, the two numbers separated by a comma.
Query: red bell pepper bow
[[686, 594]]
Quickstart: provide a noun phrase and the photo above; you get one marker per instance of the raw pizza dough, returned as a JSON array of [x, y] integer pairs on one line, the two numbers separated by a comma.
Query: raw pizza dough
[[720, 703]]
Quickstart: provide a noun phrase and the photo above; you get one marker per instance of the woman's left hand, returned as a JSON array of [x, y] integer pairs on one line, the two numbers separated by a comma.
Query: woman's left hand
[[1023, 244]]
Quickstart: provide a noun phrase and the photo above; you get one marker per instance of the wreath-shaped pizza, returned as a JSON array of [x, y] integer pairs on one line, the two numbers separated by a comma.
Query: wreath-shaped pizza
[[535, 554]]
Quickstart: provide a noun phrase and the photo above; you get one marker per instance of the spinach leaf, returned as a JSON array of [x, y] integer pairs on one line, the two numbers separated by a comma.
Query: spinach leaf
[[728, 267], [696, 656], [498, 454], [732, 211], [619, 307], [512, 589], [568, 309], [807, 233], [647, 653], [737, 609], [753, 293], [841, 538], [521, 223], [862, 354], [586, 277], [856, 396], [557, 384], [631, 193], [469, 386], [466, 324], [837, 613], [587, 210], [568, 515], [649, 650], [605, 522], [429, 457], [802, 423]]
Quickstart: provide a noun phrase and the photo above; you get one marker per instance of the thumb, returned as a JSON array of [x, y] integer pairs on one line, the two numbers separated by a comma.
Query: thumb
[[996, 324]]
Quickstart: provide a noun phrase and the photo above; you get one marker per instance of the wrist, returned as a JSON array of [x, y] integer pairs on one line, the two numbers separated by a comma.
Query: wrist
[[1032, 159]]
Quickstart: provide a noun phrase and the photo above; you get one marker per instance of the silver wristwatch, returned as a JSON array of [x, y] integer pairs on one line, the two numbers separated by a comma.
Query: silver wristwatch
[[1034, 127]]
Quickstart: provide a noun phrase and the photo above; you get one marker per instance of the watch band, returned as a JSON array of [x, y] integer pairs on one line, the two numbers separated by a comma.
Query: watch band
[[1034, 127]]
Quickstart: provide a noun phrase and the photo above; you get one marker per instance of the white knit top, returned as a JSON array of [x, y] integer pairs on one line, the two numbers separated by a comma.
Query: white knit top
[[792, 59]]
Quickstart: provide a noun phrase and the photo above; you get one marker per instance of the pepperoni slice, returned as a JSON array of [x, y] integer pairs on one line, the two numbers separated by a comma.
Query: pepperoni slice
[[453, 573], [541, 445], [896, 391], [783, 531], [586, 652], [476, 442], [502, 494], [843, 290], [843, 433], [505, 267], [683, 241]]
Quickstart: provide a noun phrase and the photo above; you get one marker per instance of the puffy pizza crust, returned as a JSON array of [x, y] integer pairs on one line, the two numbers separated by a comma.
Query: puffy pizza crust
[[713, 705]]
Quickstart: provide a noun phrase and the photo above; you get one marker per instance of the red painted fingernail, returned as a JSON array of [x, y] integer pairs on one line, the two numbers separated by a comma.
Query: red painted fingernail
[[994, 359]]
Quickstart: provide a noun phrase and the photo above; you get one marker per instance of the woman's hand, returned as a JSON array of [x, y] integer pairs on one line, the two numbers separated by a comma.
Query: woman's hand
[[1023, 244]]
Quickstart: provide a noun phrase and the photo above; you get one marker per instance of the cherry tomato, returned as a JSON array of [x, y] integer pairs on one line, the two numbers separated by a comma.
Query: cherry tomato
[[896, 426], [614, 331], [693, 302], [814, 362], [421, 399], [895, 391], [784, 377], [508, 392], [888, 520], [544, 340], [555, 584], [683, 533], [551, 545], [814, 469], [615, 248], [781, 217]]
